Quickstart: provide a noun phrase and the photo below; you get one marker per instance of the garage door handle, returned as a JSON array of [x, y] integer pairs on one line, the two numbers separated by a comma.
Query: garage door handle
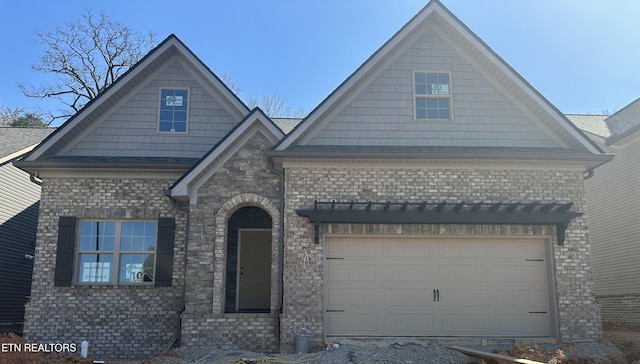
[[438, 294], [434, 295]]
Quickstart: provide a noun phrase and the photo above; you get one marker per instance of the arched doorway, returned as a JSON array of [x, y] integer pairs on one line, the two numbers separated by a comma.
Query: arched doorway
[[249, 253]]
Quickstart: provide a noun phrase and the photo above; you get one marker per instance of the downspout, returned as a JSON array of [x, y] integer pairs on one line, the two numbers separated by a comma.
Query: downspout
[[280, 253], [178, 206]]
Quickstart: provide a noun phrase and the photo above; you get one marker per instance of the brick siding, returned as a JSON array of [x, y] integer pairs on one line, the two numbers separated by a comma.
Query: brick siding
[[243, 180], [579, 317], [120, 322], [135, 322]]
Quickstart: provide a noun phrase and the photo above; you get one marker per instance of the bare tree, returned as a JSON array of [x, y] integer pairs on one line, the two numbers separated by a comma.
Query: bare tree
[[274, 106], [231, 82], [8, 115], [86, 56]]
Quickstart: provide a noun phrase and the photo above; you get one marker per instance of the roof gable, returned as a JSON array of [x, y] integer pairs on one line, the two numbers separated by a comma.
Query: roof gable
[[256, 122], [94, 113], [526, 109]]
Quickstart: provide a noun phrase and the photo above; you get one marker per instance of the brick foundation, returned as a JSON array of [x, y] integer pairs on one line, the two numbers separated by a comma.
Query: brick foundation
[[255, 332], [620, 308]]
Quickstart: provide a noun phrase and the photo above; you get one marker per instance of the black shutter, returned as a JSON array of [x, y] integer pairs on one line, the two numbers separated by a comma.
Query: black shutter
[[164, 251], [64, 253]]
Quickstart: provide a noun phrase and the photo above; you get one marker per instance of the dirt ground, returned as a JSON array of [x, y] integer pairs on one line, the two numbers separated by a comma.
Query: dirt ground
[[625, 338]]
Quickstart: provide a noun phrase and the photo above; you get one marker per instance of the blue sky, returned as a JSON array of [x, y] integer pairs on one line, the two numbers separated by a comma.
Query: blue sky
[[582, 55]]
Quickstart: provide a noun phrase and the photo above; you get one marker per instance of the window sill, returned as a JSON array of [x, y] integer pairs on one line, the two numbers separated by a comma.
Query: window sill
[[433, 120], [117, 286]]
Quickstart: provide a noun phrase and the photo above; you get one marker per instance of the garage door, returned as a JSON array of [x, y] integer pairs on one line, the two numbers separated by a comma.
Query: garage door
[[436, 287]]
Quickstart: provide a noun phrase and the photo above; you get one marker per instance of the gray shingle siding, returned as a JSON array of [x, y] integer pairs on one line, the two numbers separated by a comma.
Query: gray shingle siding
[[382, 113], [208, 122]]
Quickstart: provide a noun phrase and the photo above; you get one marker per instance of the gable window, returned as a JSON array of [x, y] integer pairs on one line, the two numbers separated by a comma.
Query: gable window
[[432, 93], [173, 110], [121, 252]]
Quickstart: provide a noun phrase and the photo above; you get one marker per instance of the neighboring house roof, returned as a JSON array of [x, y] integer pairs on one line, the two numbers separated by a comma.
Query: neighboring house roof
[[513, 86], [286, 124], [256, 121], [625, 119], [15, 142], [594, 124], [90, 115], [624, 122]]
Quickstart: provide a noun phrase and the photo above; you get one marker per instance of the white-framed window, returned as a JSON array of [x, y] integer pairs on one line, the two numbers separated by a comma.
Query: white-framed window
[[116, 252], [174, 110], [432, 95]]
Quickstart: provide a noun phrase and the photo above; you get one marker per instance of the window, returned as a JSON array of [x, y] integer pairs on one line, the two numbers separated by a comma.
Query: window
[[173, 110], [432, 96], [120, 252]]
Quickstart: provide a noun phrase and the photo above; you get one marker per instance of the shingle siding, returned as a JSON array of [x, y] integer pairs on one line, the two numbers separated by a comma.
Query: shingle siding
[[382, 113], [131, 129]]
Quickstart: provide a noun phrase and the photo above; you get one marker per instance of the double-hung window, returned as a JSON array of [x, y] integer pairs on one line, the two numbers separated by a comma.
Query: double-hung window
[[432, 94], [117, 252], [174, 106]]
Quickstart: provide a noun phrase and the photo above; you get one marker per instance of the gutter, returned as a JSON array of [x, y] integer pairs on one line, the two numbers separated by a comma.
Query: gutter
[[443, 155], [102, 165], [280, 252], [180, 207], [33, 179]]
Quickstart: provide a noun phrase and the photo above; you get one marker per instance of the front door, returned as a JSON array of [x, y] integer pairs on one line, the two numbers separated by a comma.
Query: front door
[[254, 272]]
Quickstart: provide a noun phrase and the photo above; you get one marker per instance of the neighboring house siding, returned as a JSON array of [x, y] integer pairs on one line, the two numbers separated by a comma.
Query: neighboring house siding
[[244, 180], [382, 114], [19, 199], [577, 311], [120, 322], [131, 130], [615, 234]]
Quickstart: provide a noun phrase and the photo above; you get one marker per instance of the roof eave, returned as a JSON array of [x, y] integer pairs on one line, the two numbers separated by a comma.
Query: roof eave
[[617, 138], [591, 160], [48, 165]]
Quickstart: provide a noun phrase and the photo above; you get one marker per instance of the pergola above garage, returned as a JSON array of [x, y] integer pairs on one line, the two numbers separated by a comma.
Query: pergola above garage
[[531, 213]]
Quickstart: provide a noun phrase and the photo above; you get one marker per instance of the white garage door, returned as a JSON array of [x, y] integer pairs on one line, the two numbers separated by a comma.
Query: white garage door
[[391, 286]]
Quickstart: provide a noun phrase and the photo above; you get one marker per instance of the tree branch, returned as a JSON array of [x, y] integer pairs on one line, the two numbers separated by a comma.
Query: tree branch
[[87, 56]]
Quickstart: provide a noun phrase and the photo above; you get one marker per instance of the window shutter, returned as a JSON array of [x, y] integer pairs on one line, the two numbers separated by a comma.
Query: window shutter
[[164, 251], [64, 254]]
